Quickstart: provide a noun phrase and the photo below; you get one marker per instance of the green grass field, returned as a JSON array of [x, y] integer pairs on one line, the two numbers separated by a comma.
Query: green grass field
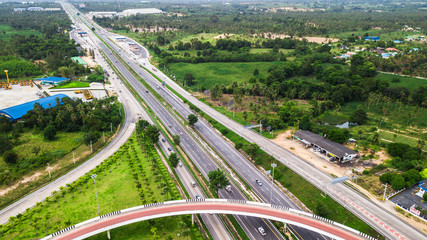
[[72, 85], [408, 82], [209, 74], [117, 189], [7, 32]]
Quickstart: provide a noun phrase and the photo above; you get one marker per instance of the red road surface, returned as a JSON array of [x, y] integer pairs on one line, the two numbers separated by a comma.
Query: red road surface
[[203, 206]]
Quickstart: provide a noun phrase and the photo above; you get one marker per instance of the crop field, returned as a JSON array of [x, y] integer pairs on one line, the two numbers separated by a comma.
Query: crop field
[[209, 74], [133, 176], [7, 32], [408, 82]]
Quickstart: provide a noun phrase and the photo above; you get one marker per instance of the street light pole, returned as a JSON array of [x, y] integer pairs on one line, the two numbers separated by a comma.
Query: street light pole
[[273, 165], [96, 194], [48, 168]]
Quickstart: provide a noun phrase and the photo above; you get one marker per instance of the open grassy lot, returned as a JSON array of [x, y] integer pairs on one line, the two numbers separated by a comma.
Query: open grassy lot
[[118, 187], [7, 32], [408, 82], [209, 74], [72, 85]]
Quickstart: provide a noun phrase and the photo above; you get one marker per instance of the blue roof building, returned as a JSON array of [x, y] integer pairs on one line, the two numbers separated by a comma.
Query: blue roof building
[[16, 112], [52, 80]]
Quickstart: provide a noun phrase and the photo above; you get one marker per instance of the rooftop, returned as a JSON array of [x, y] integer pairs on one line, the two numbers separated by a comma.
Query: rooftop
[[52, 79], [335, 148], [16, 112]]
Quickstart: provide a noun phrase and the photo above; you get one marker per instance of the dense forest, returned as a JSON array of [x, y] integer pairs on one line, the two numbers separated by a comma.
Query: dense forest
[[47, 52], [243, 19]]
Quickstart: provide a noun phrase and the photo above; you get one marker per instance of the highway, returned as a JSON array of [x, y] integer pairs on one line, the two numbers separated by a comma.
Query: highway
[[213, 223], [195, 206], [133, 111], [202, 160], [387, 223]]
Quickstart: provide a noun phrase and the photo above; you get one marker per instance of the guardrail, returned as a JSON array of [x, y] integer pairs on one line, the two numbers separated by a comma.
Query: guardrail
[[239, 210]]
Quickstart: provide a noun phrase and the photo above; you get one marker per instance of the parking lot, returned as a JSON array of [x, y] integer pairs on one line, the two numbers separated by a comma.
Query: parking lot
[[408, 198]]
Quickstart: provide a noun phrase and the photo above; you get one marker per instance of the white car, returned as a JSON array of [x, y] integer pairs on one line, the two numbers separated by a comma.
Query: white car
[[262, 231]]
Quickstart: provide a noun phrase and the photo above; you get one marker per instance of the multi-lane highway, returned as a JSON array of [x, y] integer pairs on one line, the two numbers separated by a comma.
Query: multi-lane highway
[[381, 219], [133, 112], [190, 146], [203, 162], [213, 223]]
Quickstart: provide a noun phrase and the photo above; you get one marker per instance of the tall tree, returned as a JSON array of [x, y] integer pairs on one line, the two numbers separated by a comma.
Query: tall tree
[[192, 119], [217, 180], [359, 116], [174, 160], [152, 133]]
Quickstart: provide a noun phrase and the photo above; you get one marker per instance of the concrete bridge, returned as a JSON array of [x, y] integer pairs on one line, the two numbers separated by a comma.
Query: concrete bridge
[[202, 206]]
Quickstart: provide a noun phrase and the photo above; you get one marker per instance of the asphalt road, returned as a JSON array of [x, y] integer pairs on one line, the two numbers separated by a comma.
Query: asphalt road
[[195, 151], [213, 223], [239, 163], [132, 110], [381, 219]]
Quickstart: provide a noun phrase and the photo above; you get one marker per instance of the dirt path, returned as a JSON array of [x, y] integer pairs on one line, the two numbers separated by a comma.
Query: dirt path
[[27, 180]]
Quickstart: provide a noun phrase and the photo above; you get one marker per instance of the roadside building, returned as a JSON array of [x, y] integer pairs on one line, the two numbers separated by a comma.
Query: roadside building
[[423, 186], [336, 151], [15, 113], [35, 9], [52, 80], [82, 34], [120, 39], [20, 10]]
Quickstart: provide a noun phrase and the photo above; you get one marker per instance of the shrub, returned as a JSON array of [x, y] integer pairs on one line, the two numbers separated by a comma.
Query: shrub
[[49, 132], [10, 157]]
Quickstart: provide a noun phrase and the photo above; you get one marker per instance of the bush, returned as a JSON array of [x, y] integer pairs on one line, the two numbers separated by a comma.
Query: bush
[[10, 157], [425, 197], [49, 132], [90, 136], [238, 146], [397, 182], [5, 144]]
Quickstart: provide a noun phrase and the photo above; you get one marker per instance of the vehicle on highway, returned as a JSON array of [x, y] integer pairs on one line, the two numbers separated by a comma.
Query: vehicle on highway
[[146, 91], [228, 188], [258, 182], [193, 184], [262, 231], [198, 197], [163, 140], [180, 164], [170, 149]]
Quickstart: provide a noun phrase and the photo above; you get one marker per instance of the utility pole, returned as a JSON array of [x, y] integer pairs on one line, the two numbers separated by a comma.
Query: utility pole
[[385, 190], [96, 194], [74, 159], [111, 127], [48, 168], [91, 150], [273, 165], [103, 135]]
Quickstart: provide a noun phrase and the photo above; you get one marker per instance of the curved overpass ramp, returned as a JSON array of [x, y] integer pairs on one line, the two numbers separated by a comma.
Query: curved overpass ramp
[[219, 206]]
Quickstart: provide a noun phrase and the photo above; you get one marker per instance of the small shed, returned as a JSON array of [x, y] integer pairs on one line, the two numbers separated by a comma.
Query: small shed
[[52, 80]]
